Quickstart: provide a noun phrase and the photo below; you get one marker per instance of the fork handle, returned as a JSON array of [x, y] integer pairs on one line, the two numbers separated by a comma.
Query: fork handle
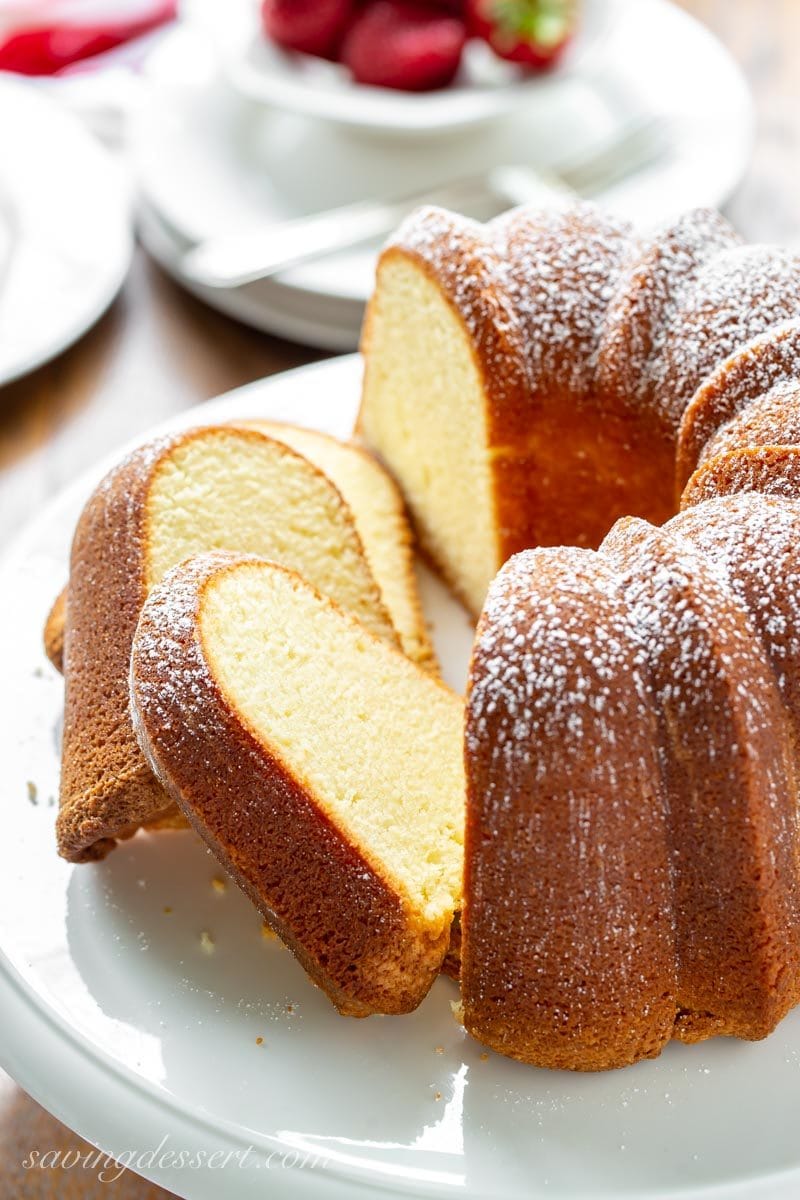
[[231, 260]]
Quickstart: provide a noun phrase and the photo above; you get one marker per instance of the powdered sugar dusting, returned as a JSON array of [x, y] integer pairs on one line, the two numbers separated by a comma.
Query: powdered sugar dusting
[[559, 270], [168, 668], [546, 666], [560, 736], [769, 470], [635, 680], [738, 295], [647, 297], [755, 541], [770, 419]]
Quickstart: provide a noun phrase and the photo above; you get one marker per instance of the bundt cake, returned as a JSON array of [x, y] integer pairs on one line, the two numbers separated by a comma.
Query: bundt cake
[[207, 488], [529, 381], [616, 420], [322, 766]]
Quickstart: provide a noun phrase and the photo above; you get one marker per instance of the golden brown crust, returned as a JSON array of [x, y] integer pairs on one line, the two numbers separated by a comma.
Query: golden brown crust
[[754, 368], [54, 631], [661, 790], [754, 539], [771, 419], [728, 767], [770, 470], [348, 928], [551, 972], [107, 789]]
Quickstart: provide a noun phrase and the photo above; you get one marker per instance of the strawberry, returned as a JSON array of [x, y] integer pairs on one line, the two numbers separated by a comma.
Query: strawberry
[[312, 26], [534, 33], [401, 45], [456, 8]]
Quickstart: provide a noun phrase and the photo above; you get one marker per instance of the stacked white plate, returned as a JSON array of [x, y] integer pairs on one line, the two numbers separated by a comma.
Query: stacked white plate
[[221, 147]]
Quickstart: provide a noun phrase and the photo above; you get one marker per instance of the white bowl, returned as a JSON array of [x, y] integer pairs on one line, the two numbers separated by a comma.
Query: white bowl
[[486, 87]]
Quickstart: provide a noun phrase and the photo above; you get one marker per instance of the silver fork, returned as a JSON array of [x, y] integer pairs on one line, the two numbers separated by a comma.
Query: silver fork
[[230, 260]]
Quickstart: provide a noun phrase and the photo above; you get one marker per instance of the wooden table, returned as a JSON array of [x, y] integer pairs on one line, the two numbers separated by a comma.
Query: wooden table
[[158, 352]]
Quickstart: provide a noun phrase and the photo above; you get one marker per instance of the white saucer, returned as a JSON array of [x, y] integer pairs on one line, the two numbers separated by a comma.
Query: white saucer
[[209, 161], [116, 1020], [485, 88], [67, 230]]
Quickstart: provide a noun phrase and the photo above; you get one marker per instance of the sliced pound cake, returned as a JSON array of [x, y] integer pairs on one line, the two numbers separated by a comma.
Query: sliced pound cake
[[321, 766], [216, 487]]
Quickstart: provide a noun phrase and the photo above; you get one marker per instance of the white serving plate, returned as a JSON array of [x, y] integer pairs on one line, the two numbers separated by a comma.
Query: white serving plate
[[207, 161], [67, 237], [115, 1019]]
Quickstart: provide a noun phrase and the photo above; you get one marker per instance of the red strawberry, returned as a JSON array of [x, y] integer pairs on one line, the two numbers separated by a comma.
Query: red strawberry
[[534, 33], [313, 26], [456, 8], [395, 44]]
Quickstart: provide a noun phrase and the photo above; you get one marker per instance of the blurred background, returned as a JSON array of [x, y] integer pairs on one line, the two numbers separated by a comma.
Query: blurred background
[[192, 195]]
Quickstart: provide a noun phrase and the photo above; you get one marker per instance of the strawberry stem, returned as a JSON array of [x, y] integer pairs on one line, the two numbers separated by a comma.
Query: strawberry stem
[[545, 23]]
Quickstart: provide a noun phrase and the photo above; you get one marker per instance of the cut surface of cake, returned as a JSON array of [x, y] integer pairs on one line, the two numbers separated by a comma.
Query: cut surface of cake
[[323, 768], [207, 488], [380, 517]]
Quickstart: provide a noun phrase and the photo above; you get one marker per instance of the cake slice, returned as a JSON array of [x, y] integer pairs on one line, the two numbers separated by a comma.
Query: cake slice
[[321, 766], [381, 522], [215, 487], [380, 516]]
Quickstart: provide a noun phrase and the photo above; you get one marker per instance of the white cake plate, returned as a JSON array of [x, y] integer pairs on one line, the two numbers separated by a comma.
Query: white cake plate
[[133, 993]]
